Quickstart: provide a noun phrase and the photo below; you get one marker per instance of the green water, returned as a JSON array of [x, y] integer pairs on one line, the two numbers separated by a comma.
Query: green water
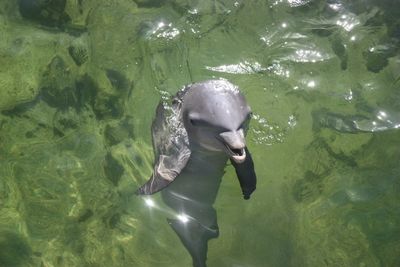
[[79, 83]]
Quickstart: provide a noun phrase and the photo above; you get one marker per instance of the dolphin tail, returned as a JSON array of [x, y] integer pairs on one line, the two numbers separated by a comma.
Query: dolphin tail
[[194, 237]]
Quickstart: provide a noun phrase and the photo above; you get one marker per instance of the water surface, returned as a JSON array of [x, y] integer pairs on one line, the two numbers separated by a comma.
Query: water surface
[[79, 84]]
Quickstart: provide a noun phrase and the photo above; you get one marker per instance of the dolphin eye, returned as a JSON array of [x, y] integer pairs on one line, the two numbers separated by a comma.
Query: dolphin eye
[[245, 124], [193, 122], [199, 123], [205, 125]]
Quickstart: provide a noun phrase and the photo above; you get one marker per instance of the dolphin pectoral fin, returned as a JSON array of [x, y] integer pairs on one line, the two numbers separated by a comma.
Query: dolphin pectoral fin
[[153, 185], [194, 237], [246, 175], [165, 171]]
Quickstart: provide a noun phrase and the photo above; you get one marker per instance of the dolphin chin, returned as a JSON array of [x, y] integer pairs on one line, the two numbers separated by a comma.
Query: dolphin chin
[[239, 158]]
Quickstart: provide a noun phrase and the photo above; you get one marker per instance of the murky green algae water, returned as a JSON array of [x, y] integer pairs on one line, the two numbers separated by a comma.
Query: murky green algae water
[[79, 83]]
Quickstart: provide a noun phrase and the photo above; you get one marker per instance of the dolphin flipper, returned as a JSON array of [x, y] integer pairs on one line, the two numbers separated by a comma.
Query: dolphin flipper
[[153, 185], [170, 144], [165, 171], [246, 175]]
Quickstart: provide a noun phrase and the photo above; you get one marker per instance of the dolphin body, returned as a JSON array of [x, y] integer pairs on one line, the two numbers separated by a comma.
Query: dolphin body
[[193, 138]]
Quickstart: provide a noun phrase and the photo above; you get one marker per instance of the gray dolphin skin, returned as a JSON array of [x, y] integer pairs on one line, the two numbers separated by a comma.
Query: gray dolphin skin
[[193, 137]]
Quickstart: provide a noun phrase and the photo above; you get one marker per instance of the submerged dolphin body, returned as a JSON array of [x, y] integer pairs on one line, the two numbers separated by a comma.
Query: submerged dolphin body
[[193, 138]]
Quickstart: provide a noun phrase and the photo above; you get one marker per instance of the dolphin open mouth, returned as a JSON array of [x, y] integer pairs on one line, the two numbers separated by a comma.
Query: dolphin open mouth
[[236, 154]]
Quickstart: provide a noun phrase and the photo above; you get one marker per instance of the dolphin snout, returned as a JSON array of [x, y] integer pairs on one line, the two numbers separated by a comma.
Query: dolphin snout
[[234, 143]]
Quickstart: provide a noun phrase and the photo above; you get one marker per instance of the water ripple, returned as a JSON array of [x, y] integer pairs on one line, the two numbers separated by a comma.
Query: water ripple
[[162, 30], [267, 132], [381, 120], [245, 67]]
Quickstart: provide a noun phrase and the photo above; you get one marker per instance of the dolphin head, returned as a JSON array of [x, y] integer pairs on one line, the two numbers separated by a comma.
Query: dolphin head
[[216, 115]]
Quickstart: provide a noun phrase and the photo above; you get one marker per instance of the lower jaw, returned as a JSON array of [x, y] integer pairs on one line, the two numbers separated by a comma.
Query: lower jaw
[[238, 159]]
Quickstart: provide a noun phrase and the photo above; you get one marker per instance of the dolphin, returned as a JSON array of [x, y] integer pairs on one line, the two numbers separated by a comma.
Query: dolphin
[[193, 138]]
